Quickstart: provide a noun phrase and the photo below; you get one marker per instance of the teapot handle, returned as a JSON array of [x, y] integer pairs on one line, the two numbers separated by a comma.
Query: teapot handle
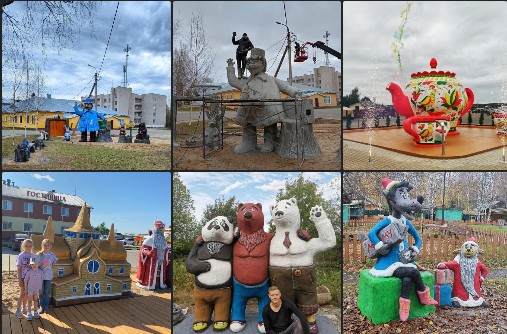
[[470, 95], [407, 126]]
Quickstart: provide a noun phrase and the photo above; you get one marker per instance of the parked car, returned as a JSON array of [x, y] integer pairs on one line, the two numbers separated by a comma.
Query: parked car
[[16, 240], [128, 241]]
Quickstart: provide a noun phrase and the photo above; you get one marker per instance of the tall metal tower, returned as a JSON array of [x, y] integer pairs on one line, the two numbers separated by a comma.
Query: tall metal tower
[[125, 81], [326, 35]]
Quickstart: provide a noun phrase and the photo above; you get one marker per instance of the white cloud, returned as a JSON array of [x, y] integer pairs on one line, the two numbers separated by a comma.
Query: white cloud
[[272, 186], [230, 187], [42, 177]]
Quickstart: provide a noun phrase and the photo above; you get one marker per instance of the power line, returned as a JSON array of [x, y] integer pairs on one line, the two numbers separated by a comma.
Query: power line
[[110, 32]]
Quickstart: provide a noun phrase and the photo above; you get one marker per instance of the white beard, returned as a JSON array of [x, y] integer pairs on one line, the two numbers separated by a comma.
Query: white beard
[[468, 266]]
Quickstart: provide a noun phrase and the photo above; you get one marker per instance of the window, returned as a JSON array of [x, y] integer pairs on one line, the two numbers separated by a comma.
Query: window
[[60, 271], [74, 289], [20, 119], [65, 212], [27, 227], [6, 205], [154, 114], [87, 288], [93, 266], [43, 227], [110, 271], [124, 286], [15, 119], [6, 226], [33, 119], [28, 207], [96, 288], [327, 100], [154, 121], [47, 209], [108, 287], [122, 270]]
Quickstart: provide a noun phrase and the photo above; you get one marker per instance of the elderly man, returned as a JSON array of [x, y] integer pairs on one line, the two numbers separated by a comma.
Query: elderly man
[[153, 258], [258, 86]]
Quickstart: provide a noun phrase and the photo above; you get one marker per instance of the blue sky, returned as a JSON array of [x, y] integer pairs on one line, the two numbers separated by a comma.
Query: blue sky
[[256, 187], [130, 200], [144, 25]]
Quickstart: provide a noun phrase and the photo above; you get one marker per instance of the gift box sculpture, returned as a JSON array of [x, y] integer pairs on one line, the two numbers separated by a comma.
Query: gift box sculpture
[[291, 259], [153, 268], [469, 273], [430, 95], [210, 261], [395, 257], [88, 269]]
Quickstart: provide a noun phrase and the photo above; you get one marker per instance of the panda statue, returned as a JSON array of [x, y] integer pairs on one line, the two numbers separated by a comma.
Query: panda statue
[[210, 260]]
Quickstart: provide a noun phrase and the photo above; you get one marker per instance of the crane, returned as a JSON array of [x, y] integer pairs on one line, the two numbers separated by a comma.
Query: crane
[[302, 52]]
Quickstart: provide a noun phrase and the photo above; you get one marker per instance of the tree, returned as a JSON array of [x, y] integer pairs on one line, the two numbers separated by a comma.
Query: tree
[[186, 229], [388, 120], [193, 57], [307, 196], [481, 118], [102, 229], [398, 120], [34, 28], [352, 98], [469, 117], [348, 122], [221, 207]]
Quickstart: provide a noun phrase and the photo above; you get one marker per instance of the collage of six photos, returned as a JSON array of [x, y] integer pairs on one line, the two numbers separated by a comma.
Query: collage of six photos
[[254, 167]]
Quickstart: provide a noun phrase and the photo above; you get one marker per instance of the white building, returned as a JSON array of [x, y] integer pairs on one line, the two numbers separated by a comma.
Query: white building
[[322, 77], [145, 108]]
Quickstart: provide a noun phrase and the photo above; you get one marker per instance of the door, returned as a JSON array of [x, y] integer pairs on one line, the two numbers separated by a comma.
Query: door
[[316, 102]]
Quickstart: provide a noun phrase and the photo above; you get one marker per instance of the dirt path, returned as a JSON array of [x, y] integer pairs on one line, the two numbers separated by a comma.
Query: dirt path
[[327, 133]]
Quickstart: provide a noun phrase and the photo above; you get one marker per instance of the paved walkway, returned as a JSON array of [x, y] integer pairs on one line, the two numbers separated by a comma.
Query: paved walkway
[[356, 156], [185, 327]]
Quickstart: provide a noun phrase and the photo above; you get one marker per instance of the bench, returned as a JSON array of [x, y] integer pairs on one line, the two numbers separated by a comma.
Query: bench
[[378, 298]]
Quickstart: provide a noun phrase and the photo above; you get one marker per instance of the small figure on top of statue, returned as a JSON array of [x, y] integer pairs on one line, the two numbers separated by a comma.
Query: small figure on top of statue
[[387, 241], [244, 45], [88, 120]]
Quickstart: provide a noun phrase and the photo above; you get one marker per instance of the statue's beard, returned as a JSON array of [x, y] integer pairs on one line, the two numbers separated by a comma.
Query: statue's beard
[[468, 266]]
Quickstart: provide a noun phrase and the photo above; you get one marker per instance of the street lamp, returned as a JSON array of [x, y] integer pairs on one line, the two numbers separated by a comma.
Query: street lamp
[[288, 51]]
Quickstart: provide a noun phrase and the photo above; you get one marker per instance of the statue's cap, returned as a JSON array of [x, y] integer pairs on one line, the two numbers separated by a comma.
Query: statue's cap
[[257, 53], [388, 184]]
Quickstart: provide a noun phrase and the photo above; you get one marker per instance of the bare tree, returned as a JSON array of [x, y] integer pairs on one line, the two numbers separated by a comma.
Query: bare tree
[[32, 29], [193, 58]]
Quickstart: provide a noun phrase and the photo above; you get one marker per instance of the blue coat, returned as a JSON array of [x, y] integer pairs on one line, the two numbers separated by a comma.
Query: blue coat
[[89, 120], [387, 264]]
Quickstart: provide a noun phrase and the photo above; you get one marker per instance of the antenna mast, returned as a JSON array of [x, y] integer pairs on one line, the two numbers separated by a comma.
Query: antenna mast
[[326, 35], [125, 82]]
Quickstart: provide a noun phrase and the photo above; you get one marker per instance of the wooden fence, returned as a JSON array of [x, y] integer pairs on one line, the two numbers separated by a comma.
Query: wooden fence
[[435, 248]]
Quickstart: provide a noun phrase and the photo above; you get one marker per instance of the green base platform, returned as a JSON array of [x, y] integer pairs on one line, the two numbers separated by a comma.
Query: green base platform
[[378, 298]]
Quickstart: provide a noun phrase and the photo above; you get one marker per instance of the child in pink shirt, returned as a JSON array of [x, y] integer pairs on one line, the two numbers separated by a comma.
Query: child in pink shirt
[[23, 263], [33, 287]]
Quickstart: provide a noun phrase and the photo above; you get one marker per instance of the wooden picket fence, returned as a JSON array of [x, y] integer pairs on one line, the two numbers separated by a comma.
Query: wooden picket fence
[[435, 248]]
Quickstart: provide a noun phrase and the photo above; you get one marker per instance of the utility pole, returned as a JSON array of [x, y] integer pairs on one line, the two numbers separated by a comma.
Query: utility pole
[[125, 81], [288, 52], [96, 79], [326, 35]]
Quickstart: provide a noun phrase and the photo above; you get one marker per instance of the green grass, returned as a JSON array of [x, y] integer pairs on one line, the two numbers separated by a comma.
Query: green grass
[[60, 155], [327, 275], [490, 228]]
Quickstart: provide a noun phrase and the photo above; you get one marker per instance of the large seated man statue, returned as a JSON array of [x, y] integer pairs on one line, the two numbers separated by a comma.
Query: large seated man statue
[[258, 86]]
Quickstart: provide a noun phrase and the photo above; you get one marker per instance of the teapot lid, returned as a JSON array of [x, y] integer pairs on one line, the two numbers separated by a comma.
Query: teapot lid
[[433, 64]]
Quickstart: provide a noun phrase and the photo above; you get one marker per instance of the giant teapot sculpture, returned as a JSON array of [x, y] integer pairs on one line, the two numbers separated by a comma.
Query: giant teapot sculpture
[[432, 93]]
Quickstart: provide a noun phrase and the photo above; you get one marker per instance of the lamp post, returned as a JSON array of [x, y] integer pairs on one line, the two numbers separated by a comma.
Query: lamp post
[[288, 51]]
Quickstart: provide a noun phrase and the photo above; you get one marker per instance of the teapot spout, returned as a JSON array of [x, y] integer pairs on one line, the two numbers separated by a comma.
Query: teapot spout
[[401, 102]]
